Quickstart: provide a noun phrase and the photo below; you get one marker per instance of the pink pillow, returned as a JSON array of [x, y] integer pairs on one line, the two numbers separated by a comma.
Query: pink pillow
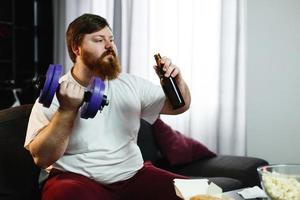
[[176, 147]]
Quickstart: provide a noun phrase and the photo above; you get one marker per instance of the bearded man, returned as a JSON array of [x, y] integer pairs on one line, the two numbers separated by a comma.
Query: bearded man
[[99, 158]]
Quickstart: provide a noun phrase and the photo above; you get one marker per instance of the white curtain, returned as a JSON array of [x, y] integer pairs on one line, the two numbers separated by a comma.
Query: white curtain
[[231, 113], [205, 38]]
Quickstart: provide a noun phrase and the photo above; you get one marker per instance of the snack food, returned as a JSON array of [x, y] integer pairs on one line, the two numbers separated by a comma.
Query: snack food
[[204, 197], [280, 186]]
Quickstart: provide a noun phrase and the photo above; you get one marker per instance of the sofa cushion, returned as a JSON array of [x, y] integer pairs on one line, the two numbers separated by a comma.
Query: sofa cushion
[[176, 147], [237, 167], [18, 173], [147, 144]]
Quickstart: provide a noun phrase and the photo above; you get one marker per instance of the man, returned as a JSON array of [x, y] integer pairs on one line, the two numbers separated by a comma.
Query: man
[[99, 158]]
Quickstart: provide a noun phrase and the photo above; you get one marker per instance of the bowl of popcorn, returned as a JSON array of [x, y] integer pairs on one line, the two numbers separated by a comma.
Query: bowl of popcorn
[[281, 182]]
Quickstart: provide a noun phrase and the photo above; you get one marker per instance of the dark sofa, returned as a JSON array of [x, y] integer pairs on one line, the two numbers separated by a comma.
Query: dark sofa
[[19, 175]]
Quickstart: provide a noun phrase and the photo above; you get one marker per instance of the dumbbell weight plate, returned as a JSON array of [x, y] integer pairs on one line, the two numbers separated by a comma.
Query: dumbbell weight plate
[[54, 84], [47, 81], [91, 106], [51, 85]]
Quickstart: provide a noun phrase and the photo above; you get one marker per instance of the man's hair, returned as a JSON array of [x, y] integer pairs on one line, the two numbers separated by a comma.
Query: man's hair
[[85, 24]]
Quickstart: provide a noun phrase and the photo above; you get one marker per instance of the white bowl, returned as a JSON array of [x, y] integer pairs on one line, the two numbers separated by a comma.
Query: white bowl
[[281, 182]]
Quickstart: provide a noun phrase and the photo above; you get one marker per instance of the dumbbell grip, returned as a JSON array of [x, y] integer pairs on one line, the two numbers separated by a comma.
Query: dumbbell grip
[[87, 96], [39, 83]]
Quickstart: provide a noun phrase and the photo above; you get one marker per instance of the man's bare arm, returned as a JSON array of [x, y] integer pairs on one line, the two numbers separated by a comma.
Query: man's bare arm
[[51, 142]]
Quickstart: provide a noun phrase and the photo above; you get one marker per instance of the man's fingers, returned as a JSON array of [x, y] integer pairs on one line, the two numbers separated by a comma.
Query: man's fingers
[[167, 62], [172, 70], [71, 90], [168, 67], [175, 72]]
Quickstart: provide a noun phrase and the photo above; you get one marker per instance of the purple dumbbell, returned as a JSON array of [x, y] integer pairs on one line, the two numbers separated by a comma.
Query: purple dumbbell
[[94, 98]]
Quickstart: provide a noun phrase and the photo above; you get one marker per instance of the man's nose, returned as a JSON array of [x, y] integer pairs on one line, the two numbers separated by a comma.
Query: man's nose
[[108, 44]]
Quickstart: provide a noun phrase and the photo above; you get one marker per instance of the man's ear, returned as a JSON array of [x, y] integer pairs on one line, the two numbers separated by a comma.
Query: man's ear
[[76, 50]]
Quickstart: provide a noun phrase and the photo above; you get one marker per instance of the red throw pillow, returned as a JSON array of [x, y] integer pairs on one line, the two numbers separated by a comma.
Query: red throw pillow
[[176, 147]]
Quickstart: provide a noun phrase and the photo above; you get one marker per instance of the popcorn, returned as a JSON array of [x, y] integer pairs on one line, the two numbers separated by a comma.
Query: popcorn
[[280, 186]]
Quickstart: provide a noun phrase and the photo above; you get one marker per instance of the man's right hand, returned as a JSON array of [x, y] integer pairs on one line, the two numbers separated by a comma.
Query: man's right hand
[[70, 96]]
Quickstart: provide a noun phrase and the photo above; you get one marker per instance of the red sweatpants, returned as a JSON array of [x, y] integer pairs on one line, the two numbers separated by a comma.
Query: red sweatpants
[[150, 183]]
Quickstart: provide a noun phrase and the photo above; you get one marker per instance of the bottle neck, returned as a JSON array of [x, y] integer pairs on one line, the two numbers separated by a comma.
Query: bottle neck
[[161, 72]]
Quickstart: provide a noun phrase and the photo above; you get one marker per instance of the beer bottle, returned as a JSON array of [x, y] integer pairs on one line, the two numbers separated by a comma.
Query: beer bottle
[[169, 86]]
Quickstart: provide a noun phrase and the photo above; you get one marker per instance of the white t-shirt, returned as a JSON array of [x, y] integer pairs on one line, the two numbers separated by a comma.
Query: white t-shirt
[[105, 148]]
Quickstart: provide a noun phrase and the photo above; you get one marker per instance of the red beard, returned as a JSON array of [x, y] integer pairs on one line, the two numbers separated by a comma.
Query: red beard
[[104, 69]]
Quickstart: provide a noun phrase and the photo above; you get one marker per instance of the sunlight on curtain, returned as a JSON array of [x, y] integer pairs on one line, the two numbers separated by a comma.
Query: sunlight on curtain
[[189, 33], [205, 39]]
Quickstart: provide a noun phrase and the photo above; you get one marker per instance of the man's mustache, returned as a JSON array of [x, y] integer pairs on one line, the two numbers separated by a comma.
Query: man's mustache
[[109, 51]]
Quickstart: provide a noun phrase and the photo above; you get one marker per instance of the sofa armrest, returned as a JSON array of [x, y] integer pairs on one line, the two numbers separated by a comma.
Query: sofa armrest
[[238, 167]]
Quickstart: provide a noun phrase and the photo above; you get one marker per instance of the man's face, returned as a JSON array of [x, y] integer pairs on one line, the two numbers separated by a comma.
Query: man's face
[[98, 53]]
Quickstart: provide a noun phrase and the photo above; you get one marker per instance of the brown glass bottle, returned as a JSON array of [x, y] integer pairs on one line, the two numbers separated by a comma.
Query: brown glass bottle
[[169, 86]]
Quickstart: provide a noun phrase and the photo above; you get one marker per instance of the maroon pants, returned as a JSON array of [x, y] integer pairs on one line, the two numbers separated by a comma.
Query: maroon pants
[[149, 183]]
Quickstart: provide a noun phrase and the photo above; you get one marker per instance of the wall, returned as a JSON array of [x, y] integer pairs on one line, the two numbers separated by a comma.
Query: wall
[[273, 80]]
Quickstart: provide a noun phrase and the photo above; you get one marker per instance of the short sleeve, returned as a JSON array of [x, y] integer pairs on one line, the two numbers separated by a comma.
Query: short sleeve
[[39, 118], [152, 100]]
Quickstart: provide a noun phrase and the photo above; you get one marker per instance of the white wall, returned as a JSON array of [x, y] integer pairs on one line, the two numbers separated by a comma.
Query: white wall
[[273, 80]]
